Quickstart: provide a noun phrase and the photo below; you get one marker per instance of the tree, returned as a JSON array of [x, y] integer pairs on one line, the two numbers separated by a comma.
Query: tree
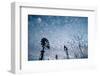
[[81, 44], [66, 50], [45, 45]]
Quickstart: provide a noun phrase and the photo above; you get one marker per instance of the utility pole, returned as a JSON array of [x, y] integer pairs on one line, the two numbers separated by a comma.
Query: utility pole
[[66, 50]]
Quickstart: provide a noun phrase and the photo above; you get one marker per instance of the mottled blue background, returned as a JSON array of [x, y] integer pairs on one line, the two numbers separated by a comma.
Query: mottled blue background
[[59, 30]]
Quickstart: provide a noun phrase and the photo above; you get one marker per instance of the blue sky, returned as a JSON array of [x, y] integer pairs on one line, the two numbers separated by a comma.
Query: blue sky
[[57, 29]]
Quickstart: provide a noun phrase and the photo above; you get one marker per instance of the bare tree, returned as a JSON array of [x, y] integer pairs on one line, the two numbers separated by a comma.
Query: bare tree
[[80, 45]]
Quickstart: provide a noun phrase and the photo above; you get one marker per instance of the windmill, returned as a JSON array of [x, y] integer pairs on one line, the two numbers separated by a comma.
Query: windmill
[[45, 45]]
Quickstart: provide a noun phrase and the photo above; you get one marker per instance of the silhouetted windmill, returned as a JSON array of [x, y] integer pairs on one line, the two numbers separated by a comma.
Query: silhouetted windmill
[[66, 50], [45, 44]]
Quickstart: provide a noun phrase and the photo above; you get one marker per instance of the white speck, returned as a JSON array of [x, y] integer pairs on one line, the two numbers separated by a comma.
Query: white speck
[[39, 20]]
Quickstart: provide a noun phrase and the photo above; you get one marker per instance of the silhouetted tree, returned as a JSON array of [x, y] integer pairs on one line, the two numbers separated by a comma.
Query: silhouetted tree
[[66, 50], [45, 44]]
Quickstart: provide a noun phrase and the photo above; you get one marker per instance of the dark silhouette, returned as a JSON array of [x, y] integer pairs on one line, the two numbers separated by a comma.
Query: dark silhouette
[[41, 55], [66, 50], [56, 57], [45, 44]]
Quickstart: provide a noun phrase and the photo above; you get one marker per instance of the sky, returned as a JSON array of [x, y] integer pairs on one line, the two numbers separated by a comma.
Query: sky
[[59, 30]]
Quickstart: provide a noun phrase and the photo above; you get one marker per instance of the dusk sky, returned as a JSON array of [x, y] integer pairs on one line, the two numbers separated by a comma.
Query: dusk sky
[[57, 29]]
